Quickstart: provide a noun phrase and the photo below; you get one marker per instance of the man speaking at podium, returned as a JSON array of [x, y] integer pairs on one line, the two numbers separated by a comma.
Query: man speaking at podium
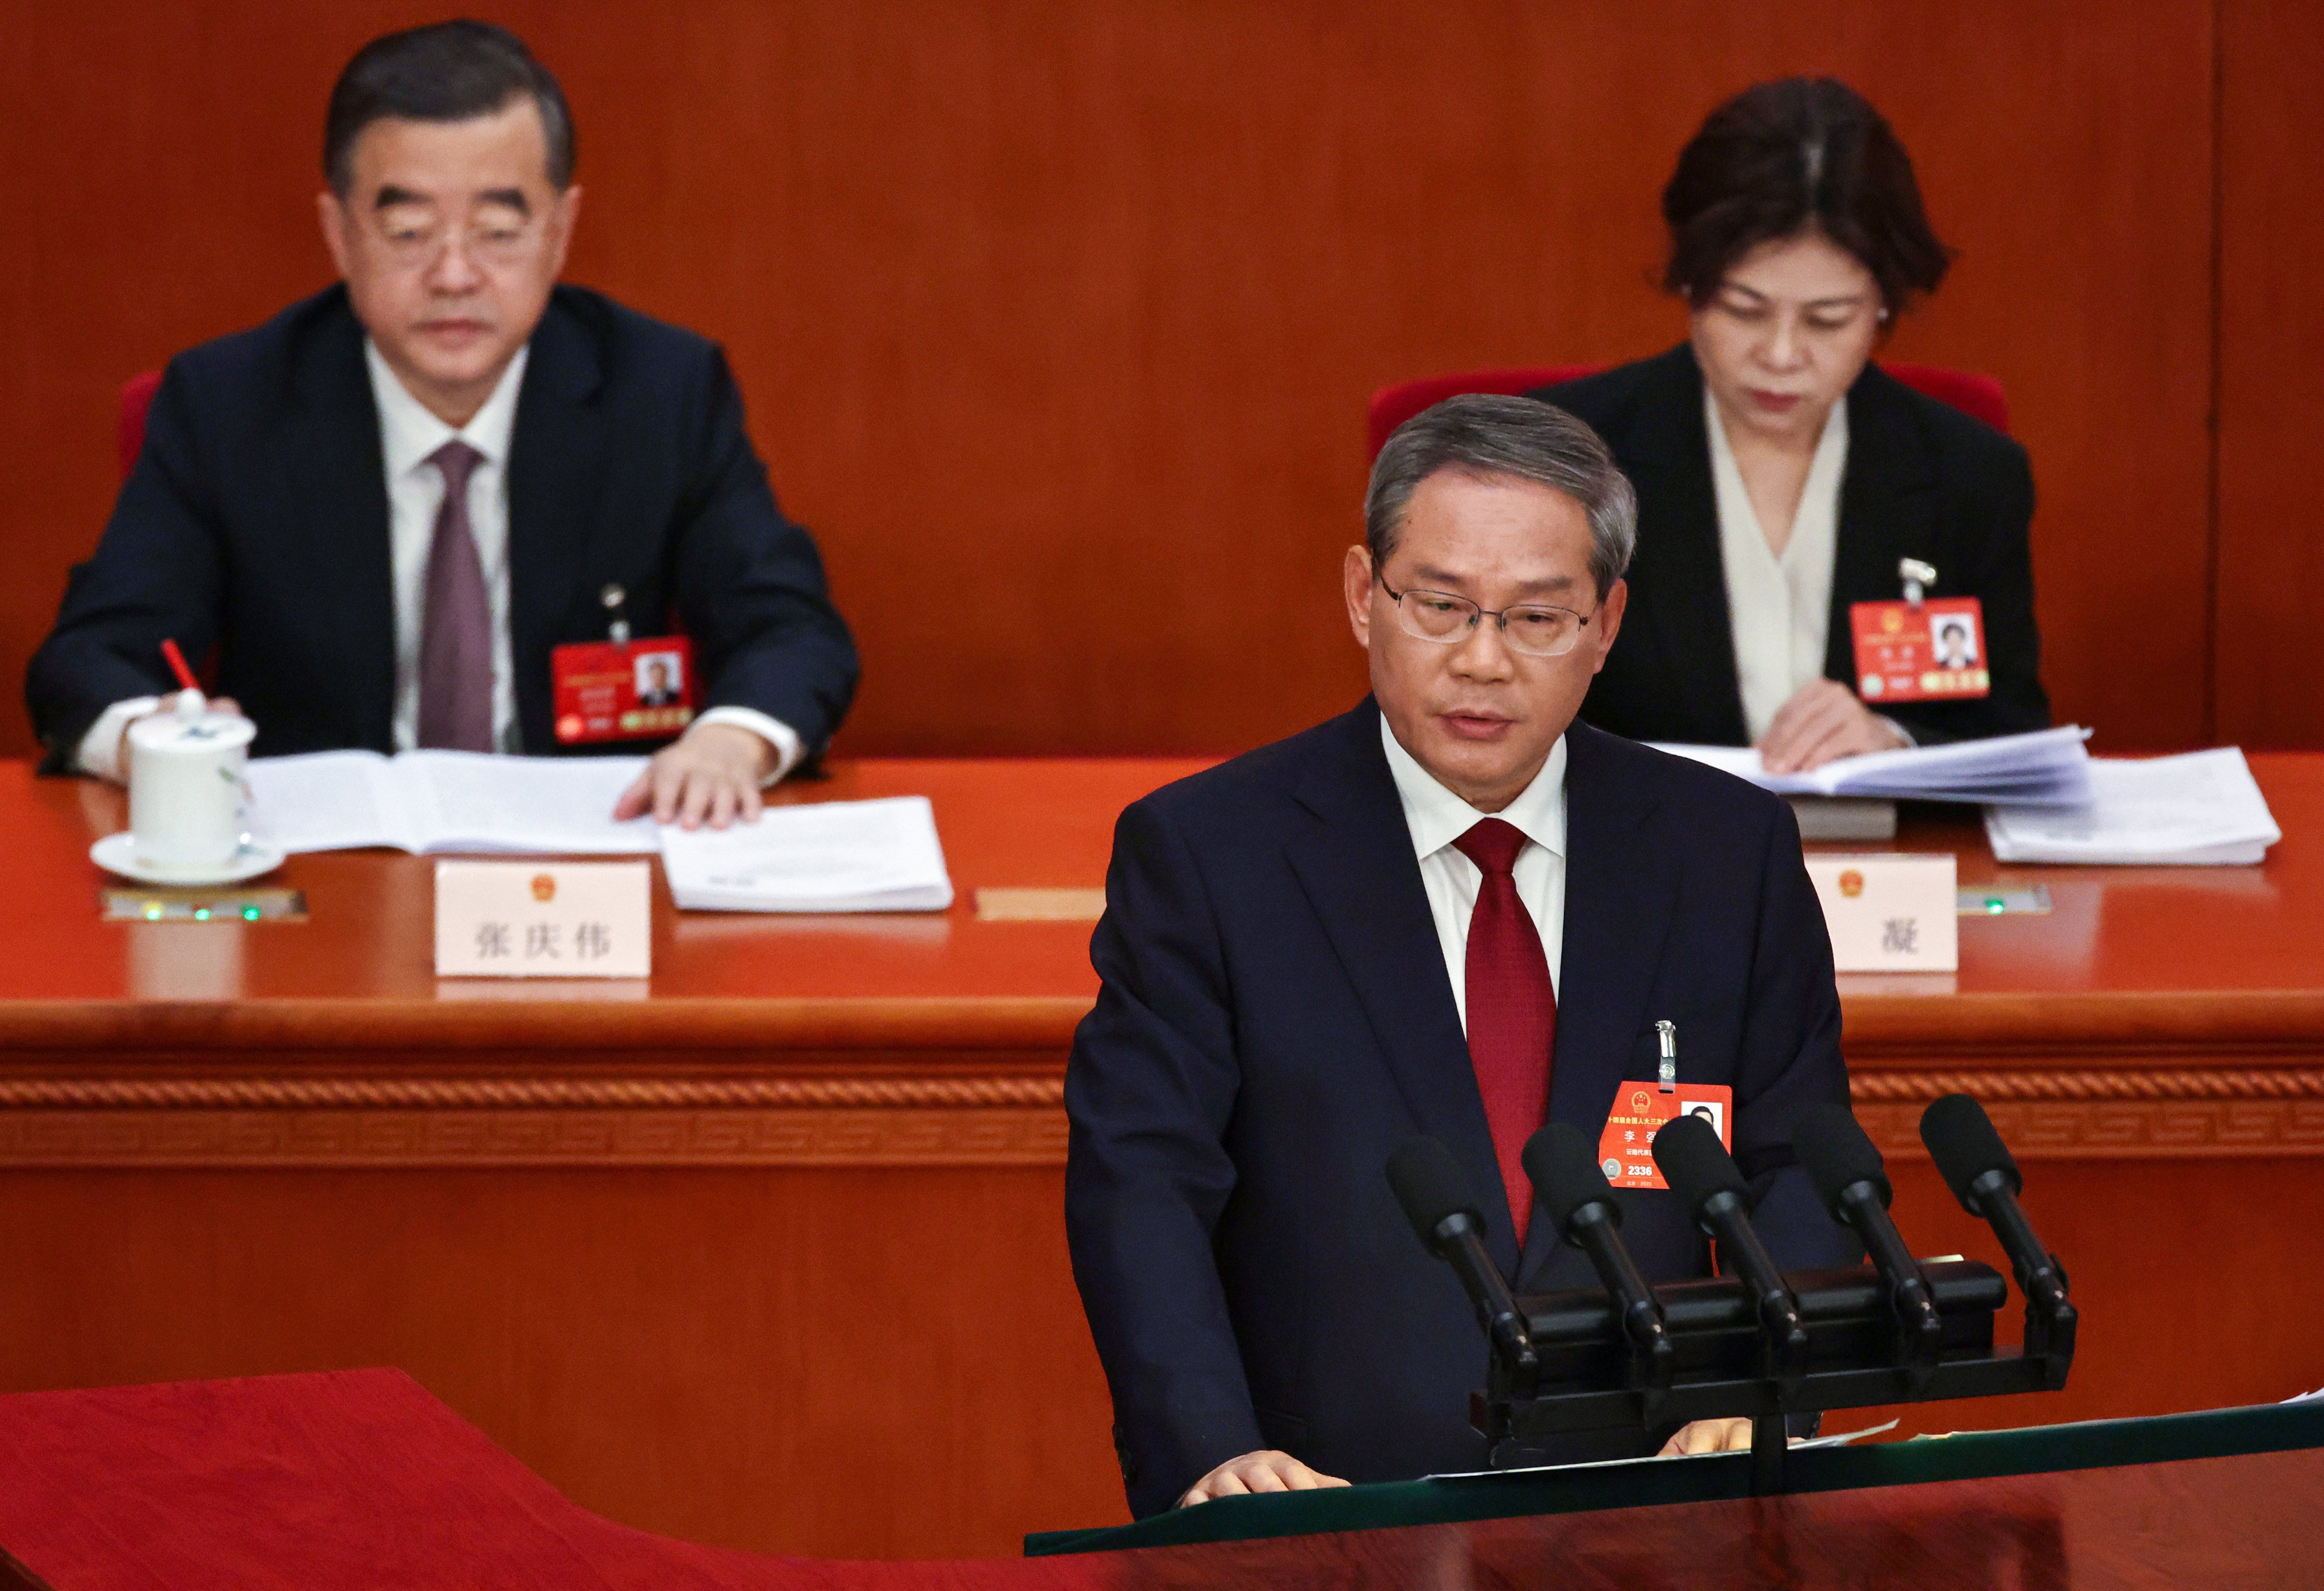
[[1452, 911], [385, 511]]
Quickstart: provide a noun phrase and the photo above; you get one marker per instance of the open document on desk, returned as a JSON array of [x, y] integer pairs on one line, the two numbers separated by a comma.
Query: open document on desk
[[831, 856], [2203, 809], [2045, 767], [425, 802]]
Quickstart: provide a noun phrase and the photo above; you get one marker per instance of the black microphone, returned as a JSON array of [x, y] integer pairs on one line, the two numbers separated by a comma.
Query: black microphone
[[1978, 1167], [1443, 1209], [1579, 1204], [1848, 1177], [1696, 1165]]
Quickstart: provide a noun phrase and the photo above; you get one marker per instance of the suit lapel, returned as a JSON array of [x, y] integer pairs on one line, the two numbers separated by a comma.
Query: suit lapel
[[555, 456], [1621, 891], [336, 521], [1887, 508], [1682, 575], [1360, 876]]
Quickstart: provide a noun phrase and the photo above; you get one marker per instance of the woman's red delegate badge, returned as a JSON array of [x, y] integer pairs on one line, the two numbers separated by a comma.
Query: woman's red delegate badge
[[1626, 1148], [639, 690], [1933, 652]]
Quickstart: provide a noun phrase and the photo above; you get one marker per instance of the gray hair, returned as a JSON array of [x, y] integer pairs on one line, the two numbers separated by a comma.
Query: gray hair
[[1484, 435]]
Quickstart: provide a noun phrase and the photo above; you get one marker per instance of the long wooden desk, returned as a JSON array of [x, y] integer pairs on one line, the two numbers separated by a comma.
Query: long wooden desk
[[767, 1253]]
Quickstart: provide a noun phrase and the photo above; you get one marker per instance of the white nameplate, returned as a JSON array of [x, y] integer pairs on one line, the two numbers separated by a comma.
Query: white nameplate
[[544, 919], [1890, 913]]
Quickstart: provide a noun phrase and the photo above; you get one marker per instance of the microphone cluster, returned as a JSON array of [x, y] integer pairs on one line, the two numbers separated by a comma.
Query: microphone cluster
[[1755, 1343]]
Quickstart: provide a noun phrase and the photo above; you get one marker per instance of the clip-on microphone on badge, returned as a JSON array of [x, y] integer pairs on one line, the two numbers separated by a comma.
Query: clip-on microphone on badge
[[1761, 1344]]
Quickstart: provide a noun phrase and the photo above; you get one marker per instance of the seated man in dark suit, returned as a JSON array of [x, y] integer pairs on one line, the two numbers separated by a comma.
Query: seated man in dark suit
[[1452, 911], [378, 514]]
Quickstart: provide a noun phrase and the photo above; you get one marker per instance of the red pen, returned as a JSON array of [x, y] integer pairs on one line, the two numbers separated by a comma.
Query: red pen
[[177, 660]]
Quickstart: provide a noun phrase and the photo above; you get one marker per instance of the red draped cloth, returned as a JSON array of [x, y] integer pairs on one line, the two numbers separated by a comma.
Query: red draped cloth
[[331, 1482]]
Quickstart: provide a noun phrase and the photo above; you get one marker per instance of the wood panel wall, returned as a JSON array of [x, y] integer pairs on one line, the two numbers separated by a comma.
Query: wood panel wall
[[2270, 582], [1056, 320]]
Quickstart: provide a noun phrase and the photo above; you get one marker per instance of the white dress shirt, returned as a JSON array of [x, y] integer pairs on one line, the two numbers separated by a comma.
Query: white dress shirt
[[1779, 609], [409, 436], [1438, 817]]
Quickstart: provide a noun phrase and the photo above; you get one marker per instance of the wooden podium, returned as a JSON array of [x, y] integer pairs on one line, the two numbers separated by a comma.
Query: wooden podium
[[2222, 1498]]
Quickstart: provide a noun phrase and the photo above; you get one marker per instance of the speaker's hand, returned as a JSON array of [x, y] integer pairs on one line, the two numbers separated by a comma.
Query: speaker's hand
[[1266, 1471]]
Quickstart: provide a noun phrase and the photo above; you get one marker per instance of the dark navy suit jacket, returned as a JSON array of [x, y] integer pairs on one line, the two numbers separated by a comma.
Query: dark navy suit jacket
[[253, 529], [1276, 1019], [1923, 481]]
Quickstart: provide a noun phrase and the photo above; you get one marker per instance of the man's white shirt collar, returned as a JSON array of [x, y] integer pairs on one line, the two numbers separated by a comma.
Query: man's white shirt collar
[[410, 435], [1438, 817]]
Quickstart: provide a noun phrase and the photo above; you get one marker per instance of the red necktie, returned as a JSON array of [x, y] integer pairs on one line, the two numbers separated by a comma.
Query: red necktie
[[1512, 1008]]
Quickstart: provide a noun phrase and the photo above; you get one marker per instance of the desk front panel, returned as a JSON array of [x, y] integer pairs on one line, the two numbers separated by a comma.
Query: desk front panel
[[765, 1250]]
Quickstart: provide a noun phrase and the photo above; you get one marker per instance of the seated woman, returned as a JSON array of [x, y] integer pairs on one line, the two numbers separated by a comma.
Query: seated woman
[[1767, 506]]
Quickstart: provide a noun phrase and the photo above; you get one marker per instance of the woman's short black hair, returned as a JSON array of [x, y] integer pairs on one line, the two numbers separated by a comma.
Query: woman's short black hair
[[449, 71], [1783, 158]]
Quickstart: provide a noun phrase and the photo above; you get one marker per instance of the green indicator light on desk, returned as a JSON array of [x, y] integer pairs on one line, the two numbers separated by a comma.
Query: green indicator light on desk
[[153, 913], [1995, 905], [250, 913], [201, 913]]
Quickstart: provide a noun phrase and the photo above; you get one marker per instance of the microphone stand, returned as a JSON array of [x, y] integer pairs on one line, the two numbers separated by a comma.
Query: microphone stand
[[1771, 1439]]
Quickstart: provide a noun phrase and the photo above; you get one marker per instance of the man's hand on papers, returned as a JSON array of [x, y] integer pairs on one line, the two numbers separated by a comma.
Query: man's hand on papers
[[711, 774], [1822, 723], [1270, 1471], [169, 705]]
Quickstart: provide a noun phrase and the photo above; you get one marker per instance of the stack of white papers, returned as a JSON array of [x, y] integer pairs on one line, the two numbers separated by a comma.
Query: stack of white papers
[[1839, 1439], [2047, 767], [431, 801], [2201, 809], [834, 856]]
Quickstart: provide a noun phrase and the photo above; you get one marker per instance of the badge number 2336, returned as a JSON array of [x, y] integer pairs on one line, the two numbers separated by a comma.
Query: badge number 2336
[[1626, 1148]]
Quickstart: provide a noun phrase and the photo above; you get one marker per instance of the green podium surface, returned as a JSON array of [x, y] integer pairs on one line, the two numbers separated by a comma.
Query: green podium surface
[[2100, 1444]]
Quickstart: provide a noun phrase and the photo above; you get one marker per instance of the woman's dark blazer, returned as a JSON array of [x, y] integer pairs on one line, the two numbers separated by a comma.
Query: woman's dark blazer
[[1923, 481]]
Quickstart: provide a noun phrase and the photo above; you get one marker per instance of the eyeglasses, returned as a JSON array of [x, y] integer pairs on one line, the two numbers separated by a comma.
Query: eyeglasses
[[500, 244], [1537, 631]]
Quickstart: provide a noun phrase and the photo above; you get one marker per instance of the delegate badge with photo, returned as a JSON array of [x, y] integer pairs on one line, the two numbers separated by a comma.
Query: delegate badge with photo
[[1930, 651], [1625, 1150], [639, 690]]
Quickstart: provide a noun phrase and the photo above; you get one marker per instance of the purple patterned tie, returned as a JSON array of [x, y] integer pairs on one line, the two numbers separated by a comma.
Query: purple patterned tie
[[455, 625]]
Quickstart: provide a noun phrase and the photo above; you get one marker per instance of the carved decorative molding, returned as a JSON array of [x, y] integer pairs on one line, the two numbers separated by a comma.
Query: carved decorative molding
[[514, 1093], [888, 1135], [2109, 1114], [1993, 1086], [637, 1093], [984, 1119], [974, 1120], [2129, 1129]]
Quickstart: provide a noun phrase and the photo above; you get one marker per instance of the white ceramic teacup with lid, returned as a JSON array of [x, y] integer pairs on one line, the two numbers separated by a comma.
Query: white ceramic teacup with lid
[[186, 788]]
